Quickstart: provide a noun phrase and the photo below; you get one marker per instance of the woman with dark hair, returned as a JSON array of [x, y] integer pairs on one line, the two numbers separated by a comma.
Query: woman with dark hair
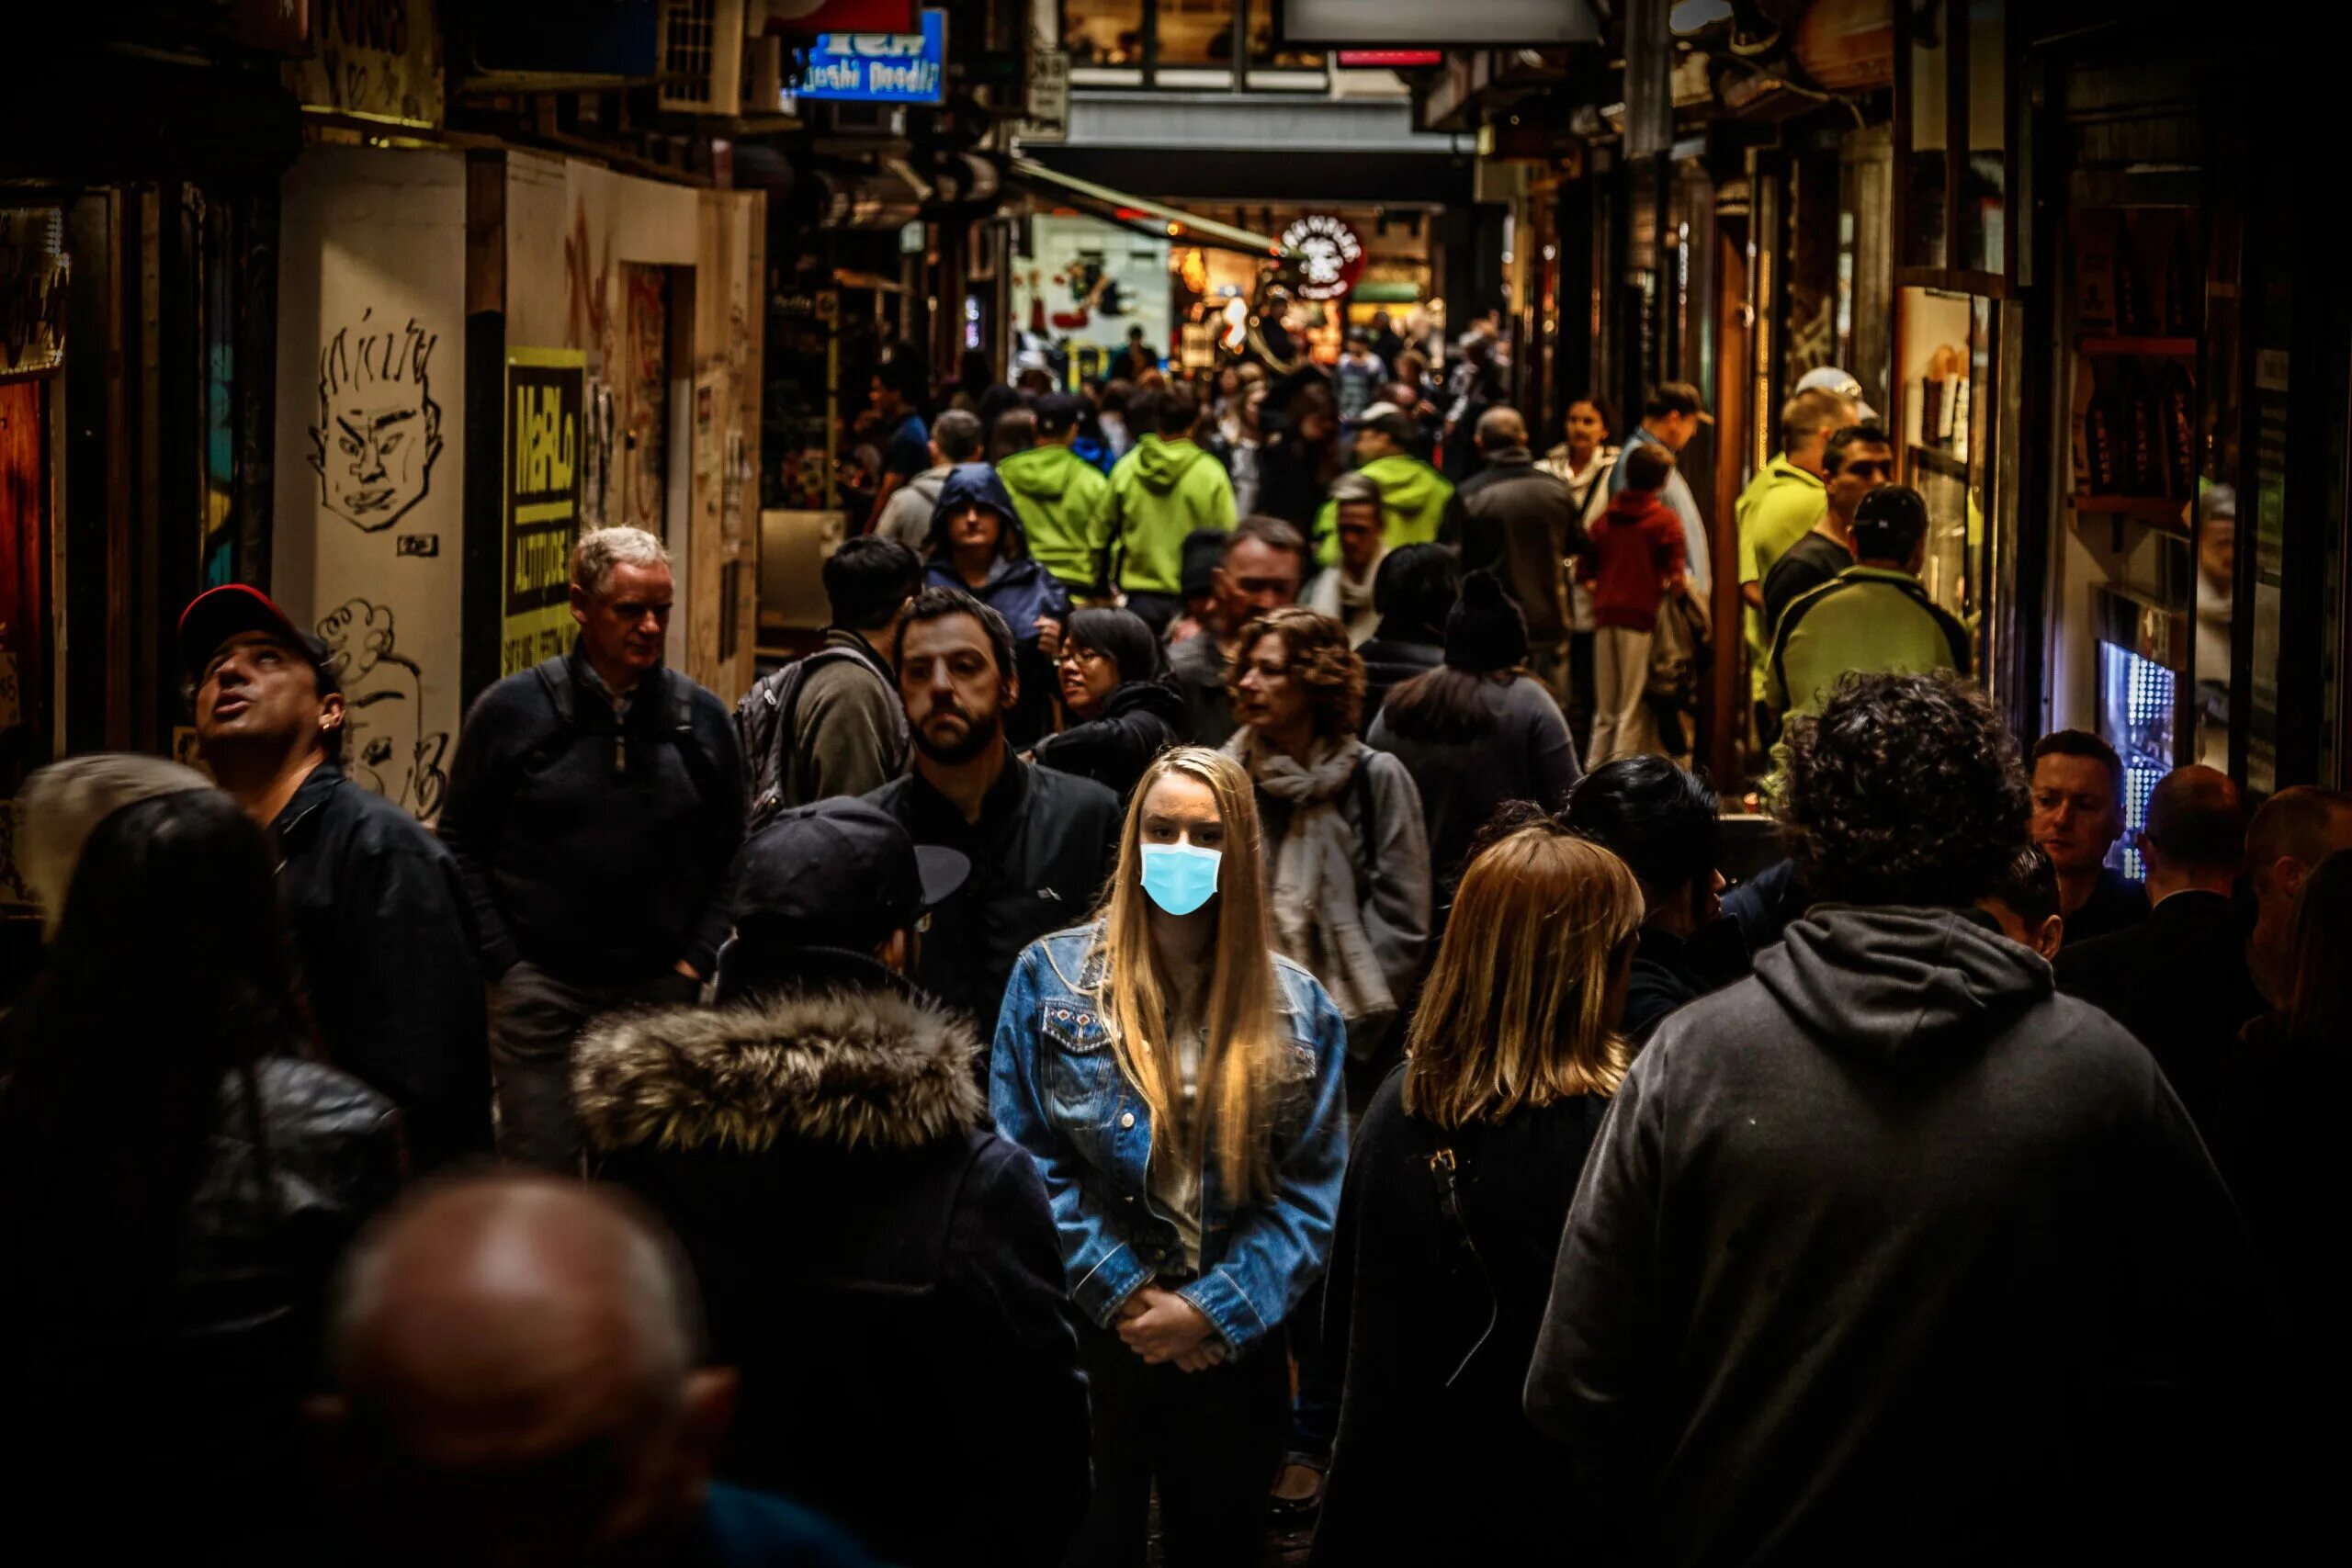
[[1300, 456], [1476, 731], [1413, 591], [1580, 461], [176, 1187], [1110, 685], [1347, 861], [1457, 1195], [2283, 1090], [1662, 821], [978, 545]]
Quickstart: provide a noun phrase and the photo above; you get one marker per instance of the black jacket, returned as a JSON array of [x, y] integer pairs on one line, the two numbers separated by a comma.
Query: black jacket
[[1889, 1254], [1136, 724], [2117, 904], [1526, 754], [595, 848], [204, 1406], [1197, 671], [1434, 1460], [1519, 522], [2178, 981], [1045, 844], [1393, 656], [384, 940], [882, 1269], [1290, 480], [1671, 972]]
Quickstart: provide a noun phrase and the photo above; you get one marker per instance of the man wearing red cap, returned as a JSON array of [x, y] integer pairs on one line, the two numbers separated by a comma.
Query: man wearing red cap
[[374, 902]]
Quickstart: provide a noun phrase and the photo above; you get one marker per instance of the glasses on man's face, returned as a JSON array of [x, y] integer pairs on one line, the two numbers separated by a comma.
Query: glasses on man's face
[[1077, 657]]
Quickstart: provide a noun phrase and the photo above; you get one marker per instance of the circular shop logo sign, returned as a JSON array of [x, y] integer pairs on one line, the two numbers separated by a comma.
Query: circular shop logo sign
[[1331, 256]]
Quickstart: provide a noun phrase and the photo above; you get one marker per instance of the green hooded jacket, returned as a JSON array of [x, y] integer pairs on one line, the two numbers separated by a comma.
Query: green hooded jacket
[[1414, 501], [1159, 493], [1059, 497]]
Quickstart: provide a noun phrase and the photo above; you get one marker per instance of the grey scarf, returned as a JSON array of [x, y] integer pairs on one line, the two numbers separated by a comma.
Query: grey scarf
[[1318, 920]]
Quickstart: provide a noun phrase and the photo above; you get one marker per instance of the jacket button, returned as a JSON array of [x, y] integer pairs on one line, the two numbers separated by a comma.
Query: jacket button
[[1128, 1119]]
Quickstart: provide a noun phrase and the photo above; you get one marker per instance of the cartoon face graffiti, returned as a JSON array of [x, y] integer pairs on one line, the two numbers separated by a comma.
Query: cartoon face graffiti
[[386, 748], [378, 429]]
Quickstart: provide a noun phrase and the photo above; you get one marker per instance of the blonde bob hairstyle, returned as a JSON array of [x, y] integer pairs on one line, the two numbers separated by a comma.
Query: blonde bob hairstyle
[[1513, 1013], [1240, 1072]]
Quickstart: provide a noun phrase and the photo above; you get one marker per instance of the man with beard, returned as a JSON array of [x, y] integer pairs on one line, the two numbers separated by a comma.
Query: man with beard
[[1040, 842]]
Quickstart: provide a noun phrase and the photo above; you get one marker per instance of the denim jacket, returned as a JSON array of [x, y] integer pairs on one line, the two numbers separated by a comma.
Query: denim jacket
[[1058, 1091]]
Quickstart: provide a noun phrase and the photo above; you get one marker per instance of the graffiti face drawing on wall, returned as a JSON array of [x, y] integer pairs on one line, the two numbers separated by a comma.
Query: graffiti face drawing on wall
[[385, 745], [378, 428]]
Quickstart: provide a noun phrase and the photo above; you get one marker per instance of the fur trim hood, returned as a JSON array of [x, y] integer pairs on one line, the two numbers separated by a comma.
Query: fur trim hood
[[855, 1069]]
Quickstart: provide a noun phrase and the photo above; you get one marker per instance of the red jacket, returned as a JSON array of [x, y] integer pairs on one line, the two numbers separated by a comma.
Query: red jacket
[[1635, 547]]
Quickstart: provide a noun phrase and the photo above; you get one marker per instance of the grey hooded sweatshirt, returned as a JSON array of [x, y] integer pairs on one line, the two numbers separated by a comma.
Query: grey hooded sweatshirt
[[1889, 1254]]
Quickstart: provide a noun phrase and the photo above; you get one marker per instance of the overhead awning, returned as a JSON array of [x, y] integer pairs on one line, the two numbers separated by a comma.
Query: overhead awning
[[1137, 211]]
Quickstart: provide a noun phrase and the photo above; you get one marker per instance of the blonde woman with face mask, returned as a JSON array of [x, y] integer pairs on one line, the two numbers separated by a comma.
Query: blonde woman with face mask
[[1180, 1087]]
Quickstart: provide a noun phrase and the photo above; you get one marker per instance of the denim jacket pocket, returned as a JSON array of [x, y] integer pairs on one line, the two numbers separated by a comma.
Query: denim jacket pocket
[[1081, 1076]]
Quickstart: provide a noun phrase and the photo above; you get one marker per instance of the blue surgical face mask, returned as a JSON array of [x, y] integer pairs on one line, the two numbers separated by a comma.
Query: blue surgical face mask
[[1180, 877]]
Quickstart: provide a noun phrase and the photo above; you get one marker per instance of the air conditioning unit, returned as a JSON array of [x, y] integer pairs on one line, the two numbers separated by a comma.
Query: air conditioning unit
[[702, 56]]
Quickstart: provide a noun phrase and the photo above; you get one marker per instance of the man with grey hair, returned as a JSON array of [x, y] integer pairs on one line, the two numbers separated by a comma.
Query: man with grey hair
[[595, 805], [516, 1381]]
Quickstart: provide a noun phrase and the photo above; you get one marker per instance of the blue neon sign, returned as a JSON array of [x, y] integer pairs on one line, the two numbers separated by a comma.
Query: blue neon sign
[[879, 68]]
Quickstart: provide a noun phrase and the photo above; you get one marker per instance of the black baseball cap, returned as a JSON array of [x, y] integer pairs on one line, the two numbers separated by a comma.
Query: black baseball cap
[[1058, 411], [839, 873], [215, 615]]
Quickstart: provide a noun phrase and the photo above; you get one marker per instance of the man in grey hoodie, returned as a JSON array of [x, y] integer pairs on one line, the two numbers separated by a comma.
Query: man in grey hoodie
[[1889, 1253]]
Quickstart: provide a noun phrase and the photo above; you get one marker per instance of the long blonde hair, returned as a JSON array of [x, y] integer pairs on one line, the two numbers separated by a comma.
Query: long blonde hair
[[1513, 1013], [1245, 1046]]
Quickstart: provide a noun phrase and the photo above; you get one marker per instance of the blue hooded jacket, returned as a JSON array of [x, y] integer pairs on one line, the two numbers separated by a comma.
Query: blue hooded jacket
[[1018, 587]]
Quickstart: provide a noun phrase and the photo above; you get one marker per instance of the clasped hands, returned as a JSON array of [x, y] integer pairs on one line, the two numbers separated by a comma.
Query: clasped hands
[[1160, 1325]]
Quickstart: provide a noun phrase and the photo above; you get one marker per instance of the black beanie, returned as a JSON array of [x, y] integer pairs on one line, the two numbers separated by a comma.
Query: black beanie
[[1485, 632]]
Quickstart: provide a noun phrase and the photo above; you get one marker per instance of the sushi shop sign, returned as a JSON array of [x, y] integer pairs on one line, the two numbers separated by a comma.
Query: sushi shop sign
[[1330, 255]]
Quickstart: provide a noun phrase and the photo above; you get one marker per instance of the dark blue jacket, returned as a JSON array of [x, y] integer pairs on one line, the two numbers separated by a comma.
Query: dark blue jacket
[[596, 846]]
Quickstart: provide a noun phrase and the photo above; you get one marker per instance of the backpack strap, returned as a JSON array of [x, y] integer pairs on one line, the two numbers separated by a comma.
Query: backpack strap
[[555, 680], [1461, 1255], [1367, 819], [562, 691]]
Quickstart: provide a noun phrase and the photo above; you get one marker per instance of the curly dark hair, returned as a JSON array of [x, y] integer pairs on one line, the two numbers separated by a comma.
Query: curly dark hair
[[1903, 789], [1319, 657]]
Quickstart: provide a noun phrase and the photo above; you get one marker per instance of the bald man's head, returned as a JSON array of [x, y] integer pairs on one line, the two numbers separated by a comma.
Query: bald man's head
[[515, 1359], [2196, 826], [1501, 427]]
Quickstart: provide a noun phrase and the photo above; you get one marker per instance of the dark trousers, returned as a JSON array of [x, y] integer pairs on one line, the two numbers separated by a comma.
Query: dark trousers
[[1211, 1441], [1158, 610], [534, 1019]]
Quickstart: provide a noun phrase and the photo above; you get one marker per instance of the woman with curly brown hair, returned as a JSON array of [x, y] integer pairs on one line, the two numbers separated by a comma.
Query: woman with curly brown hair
[[1347, 856]]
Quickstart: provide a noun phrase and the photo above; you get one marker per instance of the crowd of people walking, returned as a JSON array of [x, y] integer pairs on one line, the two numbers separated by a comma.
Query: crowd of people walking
[[1173, 1018]]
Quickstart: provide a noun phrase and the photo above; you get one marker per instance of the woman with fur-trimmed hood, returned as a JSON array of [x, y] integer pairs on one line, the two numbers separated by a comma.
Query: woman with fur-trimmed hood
[[881, 1269]]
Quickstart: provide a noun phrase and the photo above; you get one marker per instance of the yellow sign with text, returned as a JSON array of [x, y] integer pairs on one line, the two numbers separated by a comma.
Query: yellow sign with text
[[546, 394]]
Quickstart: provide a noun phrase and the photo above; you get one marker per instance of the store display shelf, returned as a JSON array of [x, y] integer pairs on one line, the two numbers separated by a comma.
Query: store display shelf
[[2149, 348], [2147, 508]]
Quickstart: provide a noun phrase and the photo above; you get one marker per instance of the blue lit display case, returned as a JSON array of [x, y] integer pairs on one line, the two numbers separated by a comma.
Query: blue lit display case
[[2143, 652]]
